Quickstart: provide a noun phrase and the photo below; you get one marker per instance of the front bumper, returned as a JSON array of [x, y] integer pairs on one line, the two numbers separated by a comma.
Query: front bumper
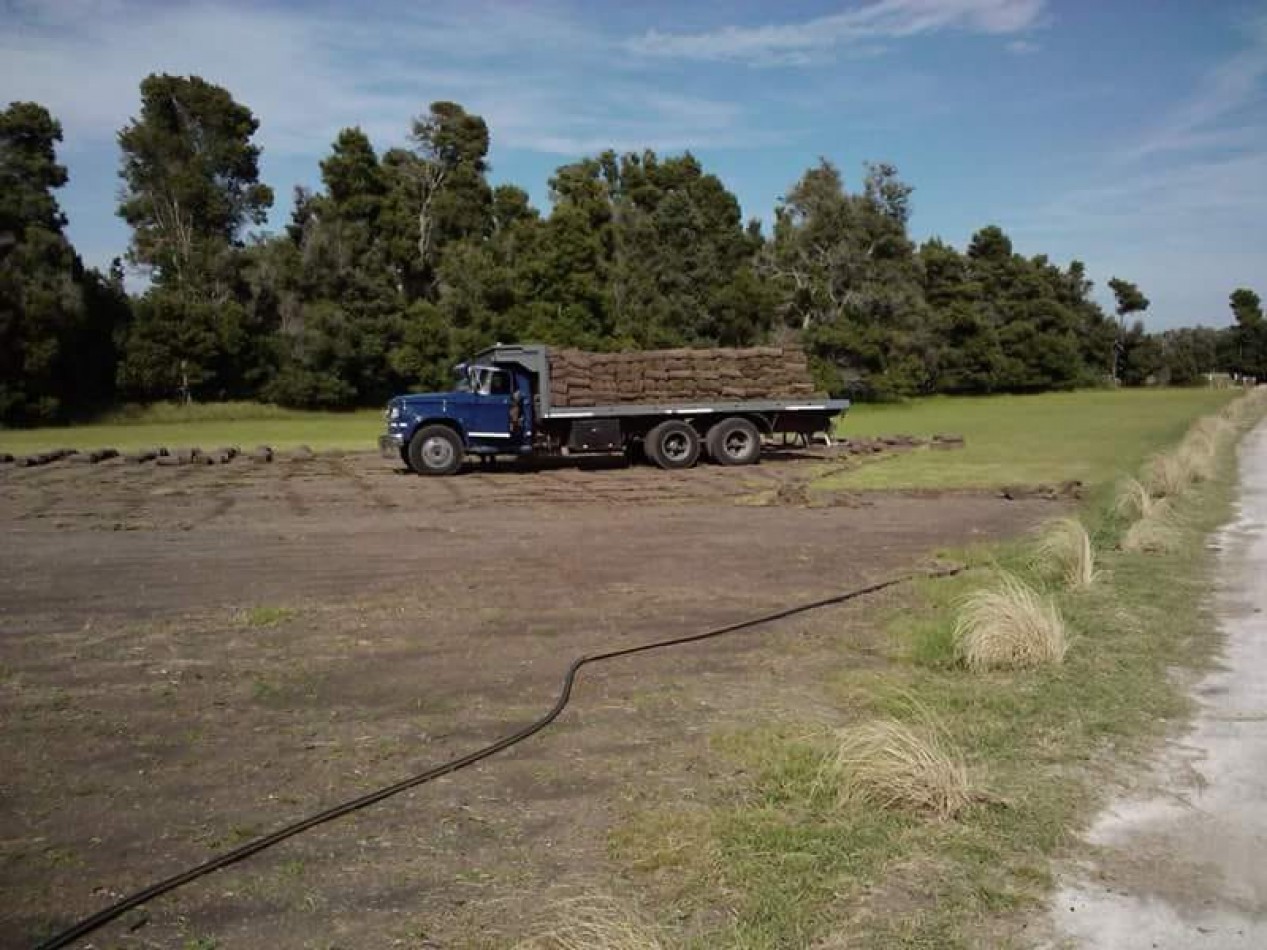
[[389, 445]]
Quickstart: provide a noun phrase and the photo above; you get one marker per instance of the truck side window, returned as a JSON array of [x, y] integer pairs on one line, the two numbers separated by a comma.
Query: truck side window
[[499, 385]]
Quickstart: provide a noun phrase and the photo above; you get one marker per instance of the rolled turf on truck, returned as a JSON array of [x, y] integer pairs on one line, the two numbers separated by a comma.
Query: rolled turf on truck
[[674, 404]]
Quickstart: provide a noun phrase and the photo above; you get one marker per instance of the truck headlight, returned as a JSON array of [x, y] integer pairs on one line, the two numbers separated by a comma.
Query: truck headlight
[[393, 413]]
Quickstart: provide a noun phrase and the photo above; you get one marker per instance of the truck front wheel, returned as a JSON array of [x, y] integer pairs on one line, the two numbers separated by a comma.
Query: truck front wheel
[[734, 442], [436, 450], [672, 445]]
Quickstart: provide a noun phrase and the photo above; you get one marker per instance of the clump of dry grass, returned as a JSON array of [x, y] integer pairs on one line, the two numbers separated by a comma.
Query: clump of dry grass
[[1244, 407], [1133, 500], [1212, 429], [892, 764], [595, 923], [1194, 459], [1199, 455], [1064, 547], [1168, 475], [1009, 626], [1156, 534]]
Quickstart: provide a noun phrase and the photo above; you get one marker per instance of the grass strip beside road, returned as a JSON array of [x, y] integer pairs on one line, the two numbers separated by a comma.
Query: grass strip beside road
[[774, 860], [209, 426], [1091, 436]]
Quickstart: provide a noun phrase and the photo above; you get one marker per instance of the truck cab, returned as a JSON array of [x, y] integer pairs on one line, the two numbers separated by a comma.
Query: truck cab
[[488, 412]]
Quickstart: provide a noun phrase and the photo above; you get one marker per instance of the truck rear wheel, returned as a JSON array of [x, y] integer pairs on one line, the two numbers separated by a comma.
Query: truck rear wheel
[[436, 450], [734, 441], [672, 445]]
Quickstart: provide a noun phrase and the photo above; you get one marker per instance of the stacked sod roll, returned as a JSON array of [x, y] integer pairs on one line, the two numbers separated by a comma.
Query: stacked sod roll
[[579, 378]]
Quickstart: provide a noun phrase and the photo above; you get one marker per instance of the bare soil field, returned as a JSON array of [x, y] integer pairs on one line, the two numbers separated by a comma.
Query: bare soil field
[[191, 656]]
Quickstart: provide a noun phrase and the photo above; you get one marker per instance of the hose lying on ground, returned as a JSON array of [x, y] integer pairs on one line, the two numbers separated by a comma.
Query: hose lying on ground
[[103, 917]]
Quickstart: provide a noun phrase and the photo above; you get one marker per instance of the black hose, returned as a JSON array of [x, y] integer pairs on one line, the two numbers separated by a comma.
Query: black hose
[[103, 917]]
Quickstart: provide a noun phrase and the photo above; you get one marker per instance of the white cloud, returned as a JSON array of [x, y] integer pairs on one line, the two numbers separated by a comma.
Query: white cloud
[[1225, 108], [307, 76], [807, 41], [1177, 206], [1181, 205]]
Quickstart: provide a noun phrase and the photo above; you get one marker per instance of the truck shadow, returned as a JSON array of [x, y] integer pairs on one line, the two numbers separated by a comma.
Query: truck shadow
[[528, 466], [600, 463]]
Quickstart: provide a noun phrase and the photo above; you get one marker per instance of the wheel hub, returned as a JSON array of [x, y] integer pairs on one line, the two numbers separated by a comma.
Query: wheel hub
[[737, 444], [438, 452], [676, 447]]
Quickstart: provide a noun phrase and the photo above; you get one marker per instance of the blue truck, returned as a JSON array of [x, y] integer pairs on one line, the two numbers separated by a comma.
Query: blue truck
[[502, 405]]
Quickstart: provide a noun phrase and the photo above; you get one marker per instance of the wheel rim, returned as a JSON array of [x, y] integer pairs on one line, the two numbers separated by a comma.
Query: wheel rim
[[676, 447], [437, 452], [737, 444]]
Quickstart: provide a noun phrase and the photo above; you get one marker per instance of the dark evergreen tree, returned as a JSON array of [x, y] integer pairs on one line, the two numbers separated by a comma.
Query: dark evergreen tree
[[57, 319]]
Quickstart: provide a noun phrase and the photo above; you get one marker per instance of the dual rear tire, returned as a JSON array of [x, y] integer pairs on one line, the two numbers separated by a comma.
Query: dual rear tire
[[674, 444], [734, 441]]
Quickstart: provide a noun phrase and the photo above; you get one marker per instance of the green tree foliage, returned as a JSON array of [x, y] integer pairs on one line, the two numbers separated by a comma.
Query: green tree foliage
[[1249, 335], [1188, 354], [644, 251], [849, 281], [403, 263], [190, 186], [57, 319], [1129, 301], [399, 267], [884, 319], [190, 179]]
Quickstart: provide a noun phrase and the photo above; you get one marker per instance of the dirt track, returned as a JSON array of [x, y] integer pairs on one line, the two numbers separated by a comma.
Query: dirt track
[[151, 719]]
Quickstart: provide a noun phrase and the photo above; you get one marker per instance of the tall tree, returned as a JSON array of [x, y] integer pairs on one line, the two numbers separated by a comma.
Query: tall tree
[[191, 186], [190, 178], [1249, 333], [1129, 301], [850, 281], [445, 175], [57, 319]]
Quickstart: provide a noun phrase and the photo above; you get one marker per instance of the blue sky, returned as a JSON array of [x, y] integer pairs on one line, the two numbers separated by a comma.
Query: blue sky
[[1132, 135]]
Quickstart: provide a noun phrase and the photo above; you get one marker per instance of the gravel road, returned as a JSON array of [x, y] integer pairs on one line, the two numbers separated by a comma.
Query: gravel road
[[1185, 863]]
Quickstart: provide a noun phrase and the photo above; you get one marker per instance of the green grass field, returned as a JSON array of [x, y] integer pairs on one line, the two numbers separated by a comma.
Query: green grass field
[[207, 426], [1092, 436]]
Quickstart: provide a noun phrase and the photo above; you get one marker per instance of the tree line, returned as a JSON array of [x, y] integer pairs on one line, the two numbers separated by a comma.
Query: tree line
[[402, 263]]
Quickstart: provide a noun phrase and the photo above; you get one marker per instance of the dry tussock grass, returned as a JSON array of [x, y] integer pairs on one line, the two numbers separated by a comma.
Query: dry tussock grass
[[1009, 626], [1244, 407], [1064, 547], [891, 764], [1198, 455], [1133, 500], [1156, 534], [1168, 475], [595, 923], [1213, 429], [1193, 460]]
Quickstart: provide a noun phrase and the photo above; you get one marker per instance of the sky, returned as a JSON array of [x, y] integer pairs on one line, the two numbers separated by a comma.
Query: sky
[[1130, 134]]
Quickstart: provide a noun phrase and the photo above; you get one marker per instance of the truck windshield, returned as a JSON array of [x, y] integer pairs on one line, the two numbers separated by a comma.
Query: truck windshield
[[462, 382]]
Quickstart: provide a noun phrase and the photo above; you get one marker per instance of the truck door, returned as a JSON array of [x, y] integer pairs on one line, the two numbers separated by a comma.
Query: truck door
[[491, 418]]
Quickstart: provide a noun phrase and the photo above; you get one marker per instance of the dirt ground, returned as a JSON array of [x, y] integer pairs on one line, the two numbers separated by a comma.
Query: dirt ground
[[191, 656]]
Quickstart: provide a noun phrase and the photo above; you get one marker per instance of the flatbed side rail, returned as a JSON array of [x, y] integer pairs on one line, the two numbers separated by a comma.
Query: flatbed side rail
[[697, 408]]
